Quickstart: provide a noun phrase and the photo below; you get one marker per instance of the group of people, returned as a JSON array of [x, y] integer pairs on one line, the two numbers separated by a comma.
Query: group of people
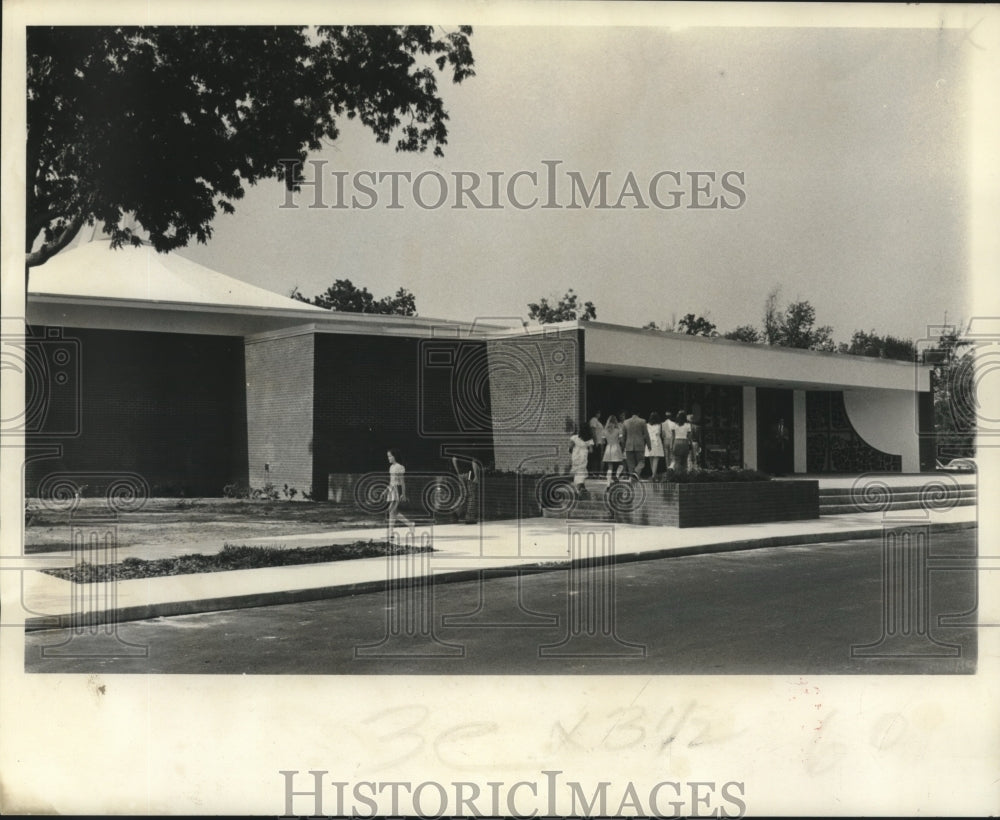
[[617, 449], [625, 448]]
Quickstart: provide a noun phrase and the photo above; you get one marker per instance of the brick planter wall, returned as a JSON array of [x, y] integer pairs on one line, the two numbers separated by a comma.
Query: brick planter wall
[[502, 497], [710, 504]]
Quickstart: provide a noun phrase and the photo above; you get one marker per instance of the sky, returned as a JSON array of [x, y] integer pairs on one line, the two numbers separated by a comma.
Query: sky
[[851, 144]]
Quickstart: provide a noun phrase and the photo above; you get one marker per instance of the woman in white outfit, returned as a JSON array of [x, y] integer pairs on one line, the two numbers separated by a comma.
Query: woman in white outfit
[[668, 438], [580, 446], [654, 452], [680, 443], [613, 456], [396, 493]]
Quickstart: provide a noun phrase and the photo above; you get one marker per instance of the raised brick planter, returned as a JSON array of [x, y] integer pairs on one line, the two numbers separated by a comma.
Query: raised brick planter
[[501, 496], [709, 504]]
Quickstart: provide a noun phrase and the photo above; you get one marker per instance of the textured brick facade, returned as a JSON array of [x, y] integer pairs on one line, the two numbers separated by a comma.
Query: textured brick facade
[[279, 391], [536, 396], [499, 497], [713, 504], [166, 406], [374, 393]]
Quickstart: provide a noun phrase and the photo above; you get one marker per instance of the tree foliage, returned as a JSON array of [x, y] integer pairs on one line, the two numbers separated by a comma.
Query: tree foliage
[[772, 318], [744, 333], [953, 385], [878, 346], [565, 310], [797, 328], [696, 325], [170, 124], [345, 296]]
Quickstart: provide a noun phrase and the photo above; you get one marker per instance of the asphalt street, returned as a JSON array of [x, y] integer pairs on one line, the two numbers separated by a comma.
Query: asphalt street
[[815, 609]]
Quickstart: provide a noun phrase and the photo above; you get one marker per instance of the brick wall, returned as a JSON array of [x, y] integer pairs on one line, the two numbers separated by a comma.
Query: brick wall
[[279, 396], [501, 497], [535, 392], [167, 406], [712, 504], [375, 393]]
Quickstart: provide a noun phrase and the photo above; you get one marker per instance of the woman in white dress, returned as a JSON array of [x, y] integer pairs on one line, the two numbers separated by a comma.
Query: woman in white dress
[[579, 454], [396, 493], [654, 452], [668, 439], [613, 455], [680, 443]]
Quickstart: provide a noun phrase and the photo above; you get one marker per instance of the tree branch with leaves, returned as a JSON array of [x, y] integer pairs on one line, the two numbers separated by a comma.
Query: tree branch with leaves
[[170, 124]]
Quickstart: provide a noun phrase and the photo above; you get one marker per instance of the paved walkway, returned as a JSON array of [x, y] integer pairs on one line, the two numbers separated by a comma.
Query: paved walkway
[[460, 552]]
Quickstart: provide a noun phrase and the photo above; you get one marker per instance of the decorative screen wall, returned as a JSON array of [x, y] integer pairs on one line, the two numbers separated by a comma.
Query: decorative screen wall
[[832, 443]]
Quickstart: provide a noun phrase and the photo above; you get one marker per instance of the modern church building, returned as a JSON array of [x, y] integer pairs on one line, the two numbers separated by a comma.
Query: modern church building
[[151, 364]]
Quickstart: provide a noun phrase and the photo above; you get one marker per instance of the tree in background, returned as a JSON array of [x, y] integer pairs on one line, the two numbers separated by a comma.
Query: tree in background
[[696, 325], [772, 317], [169, 123], [565, 310], [666, 327], [797, 328], [953, 386], [744, 333], [345, 296], [876, 346]]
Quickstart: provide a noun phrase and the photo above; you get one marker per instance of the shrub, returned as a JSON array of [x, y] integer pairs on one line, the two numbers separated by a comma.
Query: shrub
[[235, 490], [266, 493]]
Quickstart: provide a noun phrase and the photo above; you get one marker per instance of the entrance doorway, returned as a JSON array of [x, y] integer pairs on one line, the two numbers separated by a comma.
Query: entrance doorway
[[775, 439]]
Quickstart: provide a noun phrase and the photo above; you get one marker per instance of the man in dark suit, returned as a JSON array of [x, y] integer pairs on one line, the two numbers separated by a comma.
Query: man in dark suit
[[780, 448], [636, 436]]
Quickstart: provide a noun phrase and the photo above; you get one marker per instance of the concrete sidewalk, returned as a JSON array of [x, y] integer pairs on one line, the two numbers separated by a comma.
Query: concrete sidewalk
[[460, 552]]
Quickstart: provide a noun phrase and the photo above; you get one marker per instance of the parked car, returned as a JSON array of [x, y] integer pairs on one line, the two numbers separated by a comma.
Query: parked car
[[958, 465]]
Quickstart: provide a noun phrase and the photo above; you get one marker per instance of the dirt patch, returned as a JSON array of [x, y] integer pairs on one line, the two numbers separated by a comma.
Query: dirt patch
[[179, 521], [230, 558]]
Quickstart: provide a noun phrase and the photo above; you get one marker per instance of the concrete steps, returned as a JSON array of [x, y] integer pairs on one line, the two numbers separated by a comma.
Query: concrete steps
[[592, 507], [845, 500], [872, 496]]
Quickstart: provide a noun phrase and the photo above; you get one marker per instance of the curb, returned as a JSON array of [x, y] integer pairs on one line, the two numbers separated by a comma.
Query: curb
[[170, 608]]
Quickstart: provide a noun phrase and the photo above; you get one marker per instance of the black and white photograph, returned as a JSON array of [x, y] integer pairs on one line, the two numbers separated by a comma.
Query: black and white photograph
[[506, 409]]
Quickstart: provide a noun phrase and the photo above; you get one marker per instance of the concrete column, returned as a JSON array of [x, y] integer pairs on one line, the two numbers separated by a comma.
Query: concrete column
[[799, 431], [750, 428]]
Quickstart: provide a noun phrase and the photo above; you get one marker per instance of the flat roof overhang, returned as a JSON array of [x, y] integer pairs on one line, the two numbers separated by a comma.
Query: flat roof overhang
[[613, 350], [232, 320]]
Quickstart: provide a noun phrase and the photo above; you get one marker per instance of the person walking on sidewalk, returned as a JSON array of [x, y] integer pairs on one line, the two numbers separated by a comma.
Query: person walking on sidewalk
[[680, 443], [636, 442], [654, 450], [669, 425], [612, 456], [470, 488], [694, 456], [596, 436], [580, 446], [396, 494]]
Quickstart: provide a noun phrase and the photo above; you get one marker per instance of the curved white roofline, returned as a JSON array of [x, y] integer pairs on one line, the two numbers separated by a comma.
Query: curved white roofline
[[140, 274]]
